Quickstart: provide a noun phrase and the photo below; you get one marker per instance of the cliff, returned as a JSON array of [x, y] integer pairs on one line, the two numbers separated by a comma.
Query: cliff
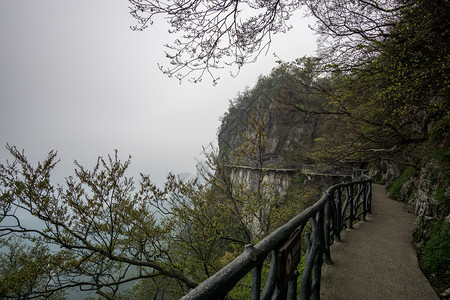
[[286, 130]]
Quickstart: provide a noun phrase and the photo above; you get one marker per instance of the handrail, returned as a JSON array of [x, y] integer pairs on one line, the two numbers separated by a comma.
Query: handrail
[[328, 217]]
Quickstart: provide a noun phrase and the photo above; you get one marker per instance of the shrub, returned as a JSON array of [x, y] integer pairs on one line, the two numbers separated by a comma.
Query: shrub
[[435, 251], [440, 196], [394, 189]]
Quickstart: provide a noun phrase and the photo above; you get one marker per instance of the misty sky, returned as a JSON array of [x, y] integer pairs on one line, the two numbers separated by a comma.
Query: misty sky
[[75, 78]]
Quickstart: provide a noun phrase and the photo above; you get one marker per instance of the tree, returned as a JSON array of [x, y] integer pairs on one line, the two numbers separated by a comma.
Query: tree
[[24, 269], [97, 231], [212, 35], [352, 31], [404, 90], [379, 108], [215, 33], [261, 196]]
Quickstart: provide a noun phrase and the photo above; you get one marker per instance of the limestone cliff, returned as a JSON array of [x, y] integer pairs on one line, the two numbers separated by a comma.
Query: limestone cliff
[[286, 130], [287, 133]]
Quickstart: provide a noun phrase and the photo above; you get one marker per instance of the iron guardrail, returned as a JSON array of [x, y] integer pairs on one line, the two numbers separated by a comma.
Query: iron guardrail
[[337, 209]]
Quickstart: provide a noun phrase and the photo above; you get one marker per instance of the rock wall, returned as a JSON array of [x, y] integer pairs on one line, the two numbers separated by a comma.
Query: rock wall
[[286, 131], [280, 181], [426, 197]]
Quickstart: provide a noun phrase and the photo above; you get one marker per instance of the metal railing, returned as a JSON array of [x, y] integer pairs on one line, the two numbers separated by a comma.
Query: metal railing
[[321, 223]]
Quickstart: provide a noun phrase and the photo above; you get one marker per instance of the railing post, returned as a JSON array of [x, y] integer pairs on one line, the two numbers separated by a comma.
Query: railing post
[[256, 282], [364, 200], [292, 286], [369, 201], [318, 261], [327, 230], [339, 221], [359, 200], [271, 279], [350, 199], [305, 284]]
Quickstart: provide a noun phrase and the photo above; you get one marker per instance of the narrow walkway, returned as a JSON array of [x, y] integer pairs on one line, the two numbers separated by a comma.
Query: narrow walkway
[[377, 259]]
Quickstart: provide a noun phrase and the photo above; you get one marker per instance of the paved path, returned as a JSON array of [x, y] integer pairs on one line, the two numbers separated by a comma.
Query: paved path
[[377, 259]]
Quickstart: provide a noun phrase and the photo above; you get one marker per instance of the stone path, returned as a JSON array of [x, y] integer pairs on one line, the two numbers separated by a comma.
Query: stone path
[[377, 259]]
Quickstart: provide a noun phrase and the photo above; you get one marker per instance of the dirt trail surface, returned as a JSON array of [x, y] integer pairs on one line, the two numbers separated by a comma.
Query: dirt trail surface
[[377, 259]]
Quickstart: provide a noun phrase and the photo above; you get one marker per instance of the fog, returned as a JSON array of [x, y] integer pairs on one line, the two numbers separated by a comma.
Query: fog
[[76, 79]]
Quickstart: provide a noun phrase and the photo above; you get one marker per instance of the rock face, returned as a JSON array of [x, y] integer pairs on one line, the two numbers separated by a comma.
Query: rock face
[[388, 171], [426, 198], [286, 131], [279, 180]]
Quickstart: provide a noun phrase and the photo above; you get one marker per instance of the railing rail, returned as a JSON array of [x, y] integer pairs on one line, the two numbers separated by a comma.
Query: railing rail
[[337, 209]]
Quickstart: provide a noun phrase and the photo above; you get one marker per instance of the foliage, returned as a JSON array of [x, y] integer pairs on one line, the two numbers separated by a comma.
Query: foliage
[[263, 205], [301, 194], [215, 33], [254, 142], [435, 254], [97, 232], [443, 200], [384, 106], [375, 172], [154, 288], [394, 189], [440, 129], [251, 104], [350, 31], [440, 196], [303, 86], [23, 269]]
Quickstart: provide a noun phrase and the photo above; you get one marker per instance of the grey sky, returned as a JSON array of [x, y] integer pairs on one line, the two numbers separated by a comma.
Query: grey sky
[[75, 78]]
